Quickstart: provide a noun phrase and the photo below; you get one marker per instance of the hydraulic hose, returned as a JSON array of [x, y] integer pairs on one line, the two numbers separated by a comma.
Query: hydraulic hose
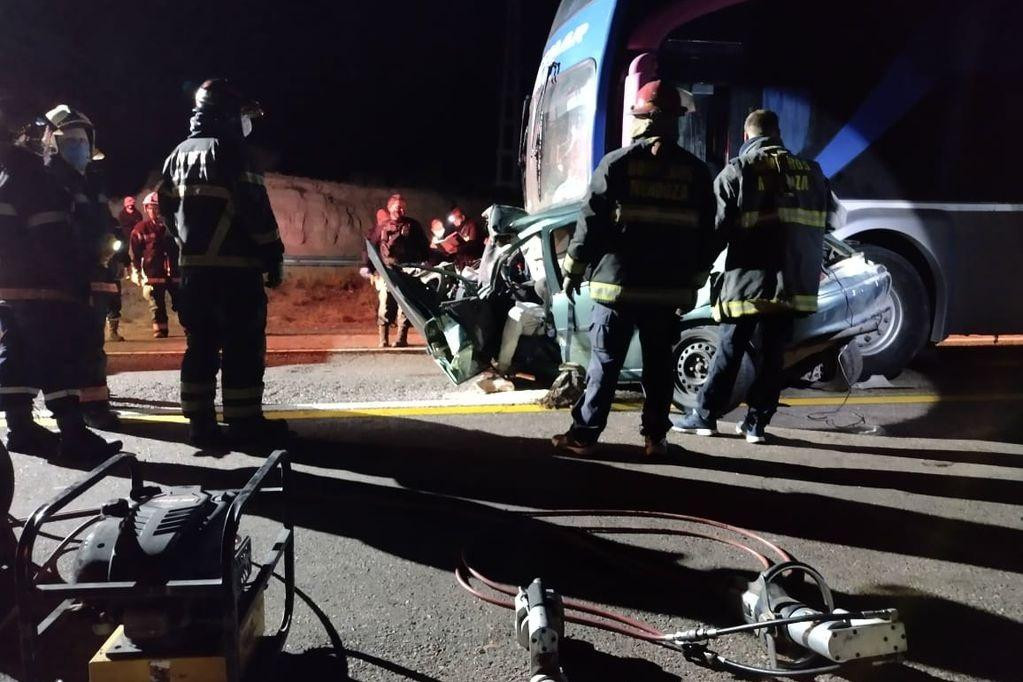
[[690, 643]]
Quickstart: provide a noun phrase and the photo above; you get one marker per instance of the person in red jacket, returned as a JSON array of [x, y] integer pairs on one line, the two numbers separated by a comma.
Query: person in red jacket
[[154, 262]]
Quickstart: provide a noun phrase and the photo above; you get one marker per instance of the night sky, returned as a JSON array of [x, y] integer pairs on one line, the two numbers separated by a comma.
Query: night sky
[[386, 91]]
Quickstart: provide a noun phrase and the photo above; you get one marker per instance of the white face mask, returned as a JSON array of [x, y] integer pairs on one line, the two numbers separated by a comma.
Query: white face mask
[[246, 126]]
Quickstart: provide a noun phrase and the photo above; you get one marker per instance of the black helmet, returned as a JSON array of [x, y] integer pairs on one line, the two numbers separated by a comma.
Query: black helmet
[[219, 96]]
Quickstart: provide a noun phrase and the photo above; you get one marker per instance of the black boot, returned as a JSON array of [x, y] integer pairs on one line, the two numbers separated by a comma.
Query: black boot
[[259, 431], [26, 437], [205, 434], [99, 416], [79, 443]]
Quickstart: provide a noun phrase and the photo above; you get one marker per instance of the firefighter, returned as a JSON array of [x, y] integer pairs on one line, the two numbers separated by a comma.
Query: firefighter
[[69, 144], [215, 205], [645, 237], [773, 211], [154, 263], [399, 240], [43, 308], [129, 217]]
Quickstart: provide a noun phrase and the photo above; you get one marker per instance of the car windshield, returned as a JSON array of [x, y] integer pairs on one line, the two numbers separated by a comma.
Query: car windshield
[[560, 152]]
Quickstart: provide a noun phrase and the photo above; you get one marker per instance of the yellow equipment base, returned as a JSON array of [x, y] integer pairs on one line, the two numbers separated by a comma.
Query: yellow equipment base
[[182, 668]]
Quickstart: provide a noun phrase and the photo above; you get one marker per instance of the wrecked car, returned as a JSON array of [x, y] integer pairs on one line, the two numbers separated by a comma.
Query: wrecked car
[[470, 318]]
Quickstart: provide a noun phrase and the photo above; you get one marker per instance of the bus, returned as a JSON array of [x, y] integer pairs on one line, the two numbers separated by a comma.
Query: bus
[[908, 106]]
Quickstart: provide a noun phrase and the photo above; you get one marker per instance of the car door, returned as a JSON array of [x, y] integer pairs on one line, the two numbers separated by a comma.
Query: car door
[[459, 333]]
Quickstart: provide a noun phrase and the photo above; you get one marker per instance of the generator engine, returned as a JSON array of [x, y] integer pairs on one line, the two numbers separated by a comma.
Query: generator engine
[[164, 535]]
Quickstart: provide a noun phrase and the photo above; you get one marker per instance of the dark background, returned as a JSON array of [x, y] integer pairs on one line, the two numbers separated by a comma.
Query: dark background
[[387, 91]]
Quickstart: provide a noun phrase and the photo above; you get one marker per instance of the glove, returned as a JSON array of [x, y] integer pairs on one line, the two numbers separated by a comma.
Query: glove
[[275, 275], [365, 273], [572, 285]]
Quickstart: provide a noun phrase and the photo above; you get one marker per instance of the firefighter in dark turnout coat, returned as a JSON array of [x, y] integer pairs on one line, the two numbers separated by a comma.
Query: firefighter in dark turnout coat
[[215, 204], [645, 236], [773, 211], [43, 301], [69, 145]]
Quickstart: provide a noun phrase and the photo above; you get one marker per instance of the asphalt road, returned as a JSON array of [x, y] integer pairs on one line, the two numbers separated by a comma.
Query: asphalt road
[[907, 497]]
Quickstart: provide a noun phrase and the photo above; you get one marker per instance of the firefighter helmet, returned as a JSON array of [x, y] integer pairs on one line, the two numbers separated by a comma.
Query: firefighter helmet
[[152, 199], [658, 97], [218, 95]]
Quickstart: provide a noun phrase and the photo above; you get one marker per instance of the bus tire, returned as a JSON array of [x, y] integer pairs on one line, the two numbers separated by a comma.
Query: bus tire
[[692, 360], [906, 322]]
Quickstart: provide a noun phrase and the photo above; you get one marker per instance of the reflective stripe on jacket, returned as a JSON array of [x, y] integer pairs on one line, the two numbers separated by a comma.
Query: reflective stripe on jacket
[[217, 207], [39, 257], [773, 211], [646, 231]]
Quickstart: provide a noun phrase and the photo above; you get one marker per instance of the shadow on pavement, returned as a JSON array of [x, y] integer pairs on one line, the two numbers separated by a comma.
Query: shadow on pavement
[[442, 507]]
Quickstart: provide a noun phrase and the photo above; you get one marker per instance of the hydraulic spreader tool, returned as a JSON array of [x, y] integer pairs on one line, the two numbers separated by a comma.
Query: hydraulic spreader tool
[[800, 639], [165, 570]]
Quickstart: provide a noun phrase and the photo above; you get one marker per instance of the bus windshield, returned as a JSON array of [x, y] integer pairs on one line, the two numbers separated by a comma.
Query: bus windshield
[[560, 151]]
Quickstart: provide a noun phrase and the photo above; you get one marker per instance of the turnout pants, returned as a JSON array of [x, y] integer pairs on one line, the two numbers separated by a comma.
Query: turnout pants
[[39, 353], [93, 354], [156, 296], [766, 338], [611, 332], [224, 314]]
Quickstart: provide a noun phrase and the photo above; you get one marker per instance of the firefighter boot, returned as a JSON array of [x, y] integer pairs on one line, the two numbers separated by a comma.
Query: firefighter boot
[[26, 437], [259, 431], [402, 341], [384, 334], [113, 333], [98, 415], [77, 442], [205, 434]]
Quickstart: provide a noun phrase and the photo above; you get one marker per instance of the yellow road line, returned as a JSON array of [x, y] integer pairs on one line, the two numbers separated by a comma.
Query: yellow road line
[[532, 408]]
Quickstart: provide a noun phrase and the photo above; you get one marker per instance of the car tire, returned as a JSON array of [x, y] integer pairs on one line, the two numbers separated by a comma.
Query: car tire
[[692, 360], [907, 318], [6, 482]]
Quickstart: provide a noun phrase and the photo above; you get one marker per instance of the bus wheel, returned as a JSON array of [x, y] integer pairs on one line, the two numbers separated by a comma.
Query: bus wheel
[[905, 318], [693, 357]]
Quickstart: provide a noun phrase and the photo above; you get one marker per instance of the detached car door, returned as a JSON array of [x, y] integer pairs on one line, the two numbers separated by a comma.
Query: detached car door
[[455, 331]]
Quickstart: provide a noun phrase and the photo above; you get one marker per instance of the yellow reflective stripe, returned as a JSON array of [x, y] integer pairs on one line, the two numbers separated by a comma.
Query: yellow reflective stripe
[[605, 292], [252, 178], [686, 217], [207, 261], [220, 233], [196, 405], [572, 266], [46, 217], [267, 237], [798, 216], [57, 395], [802, 303], [200, 190], [198, 388], [8, 210], [243, 393]]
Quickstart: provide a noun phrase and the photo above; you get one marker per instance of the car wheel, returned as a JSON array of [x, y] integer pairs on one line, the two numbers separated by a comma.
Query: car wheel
[[6, 482], [905, 318], [693, 358]]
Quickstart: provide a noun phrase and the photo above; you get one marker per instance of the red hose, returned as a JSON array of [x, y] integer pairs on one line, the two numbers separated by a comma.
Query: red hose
[[632, 628]]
